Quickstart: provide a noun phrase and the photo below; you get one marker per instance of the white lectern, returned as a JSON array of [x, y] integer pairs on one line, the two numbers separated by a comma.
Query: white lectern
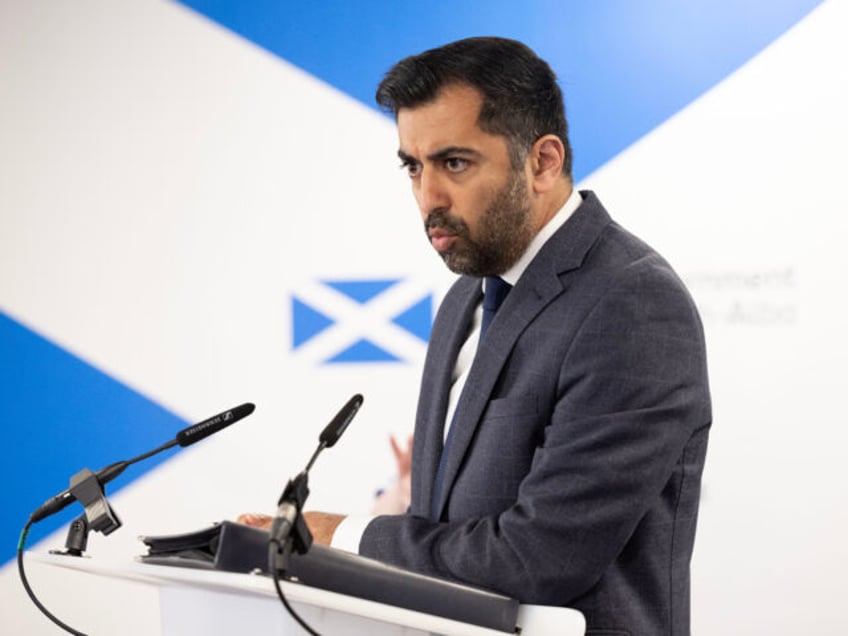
[[210, 602]]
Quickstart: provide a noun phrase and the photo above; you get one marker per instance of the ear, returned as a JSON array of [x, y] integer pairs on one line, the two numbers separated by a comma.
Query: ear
[[546, 157]]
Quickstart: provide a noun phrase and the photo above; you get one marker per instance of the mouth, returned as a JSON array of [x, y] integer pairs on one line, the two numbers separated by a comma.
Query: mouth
[[440, 239]]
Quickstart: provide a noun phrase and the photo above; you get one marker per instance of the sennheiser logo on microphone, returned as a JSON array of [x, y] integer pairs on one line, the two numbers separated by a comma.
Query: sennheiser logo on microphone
[[213, 424], [215, 420]]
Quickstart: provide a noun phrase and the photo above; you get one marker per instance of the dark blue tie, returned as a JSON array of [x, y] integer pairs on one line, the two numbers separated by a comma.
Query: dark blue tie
[[495, 290]]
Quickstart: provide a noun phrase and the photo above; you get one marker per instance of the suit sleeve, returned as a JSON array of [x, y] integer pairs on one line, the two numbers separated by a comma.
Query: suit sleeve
[[631, 392]]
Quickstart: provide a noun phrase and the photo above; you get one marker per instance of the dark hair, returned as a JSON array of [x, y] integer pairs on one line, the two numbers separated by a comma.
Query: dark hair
[[521, 98]]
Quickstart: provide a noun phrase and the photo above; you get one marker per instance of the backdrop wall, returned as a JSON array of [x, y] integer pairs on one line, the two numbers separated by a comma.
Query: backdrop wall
[[199, 206]]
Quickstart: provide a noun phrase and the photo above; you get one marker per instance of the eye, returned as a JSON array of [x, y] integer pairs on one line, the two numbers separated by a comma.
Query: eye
[[413, 168], [456, 164]]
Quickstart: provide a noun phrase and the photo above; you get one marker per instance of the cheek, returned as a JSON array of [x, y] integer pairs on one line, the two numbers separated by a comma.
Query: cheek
[[472, 207]]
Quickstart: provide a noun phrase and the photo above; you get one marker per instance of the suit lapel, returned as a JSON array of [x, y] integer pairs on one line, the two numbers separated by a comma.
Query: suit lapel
[[448, 335], [540, 284]]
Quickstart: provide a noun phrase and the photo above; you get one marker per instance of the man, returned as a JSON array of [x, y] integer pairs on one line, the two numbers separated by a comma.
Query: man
[[558, 460]]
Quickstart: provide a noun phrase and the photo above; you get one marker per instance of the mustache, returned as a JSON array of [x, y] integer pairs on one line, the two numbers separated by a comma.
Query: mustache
[[442, 219]]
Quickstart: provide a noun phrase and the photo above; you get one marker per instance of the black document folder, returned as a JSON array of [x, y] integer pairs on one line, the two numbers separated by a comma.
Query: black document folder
[[234, 547]]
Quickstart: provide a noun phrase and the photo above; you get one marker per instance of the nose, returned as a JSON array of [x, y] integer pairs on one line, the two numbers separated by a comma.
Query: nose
[[431, 193]]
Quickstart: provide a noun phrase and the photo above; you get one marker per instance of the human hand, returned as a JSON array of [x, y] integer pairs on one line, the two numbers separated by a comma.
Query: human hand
[[322, 525], [396, 500], [403, 456], [256, 520]]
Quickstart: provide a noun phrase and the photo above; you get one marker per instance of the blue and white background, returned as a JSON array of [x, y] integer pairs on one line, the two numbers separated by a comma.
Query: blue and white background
[[200, 206]]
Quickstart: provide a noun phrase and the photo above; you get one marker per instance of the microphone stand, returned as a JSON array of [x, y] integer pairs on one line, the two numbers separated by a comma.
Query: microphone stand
[[289, 532], [87, 487]]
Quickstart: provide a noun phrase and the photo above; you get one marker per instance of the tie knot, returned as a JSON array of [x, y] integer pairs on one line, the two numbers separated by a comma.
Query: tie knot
[[495, 290]]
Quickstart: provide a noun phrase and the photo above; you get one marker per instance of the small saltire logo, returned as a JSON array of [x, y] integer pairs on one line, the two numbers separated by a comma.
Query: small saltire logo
[[342, 321]]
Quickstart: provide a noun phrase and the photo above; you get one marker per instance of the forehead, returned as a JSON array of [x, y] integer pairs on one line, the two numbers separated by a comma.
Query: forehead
[[450, 119]]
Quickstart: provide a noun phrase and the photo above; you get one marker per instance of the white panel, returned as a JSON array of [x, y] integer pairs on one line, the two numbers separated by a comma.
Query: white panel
[[744, 192], [168, 187], [165, 187]]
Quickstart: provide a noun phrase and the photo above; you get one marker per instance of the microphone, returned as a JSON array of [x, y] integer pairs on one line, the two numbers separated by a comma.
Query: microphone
[[331, 434], [333, 431], [185, 437], [289, 524], [192, 434]]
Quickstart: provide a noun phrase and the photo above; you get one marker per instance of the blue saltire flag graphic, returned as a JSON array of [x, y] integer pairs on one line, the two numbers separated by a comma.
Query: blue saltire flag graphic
[[372, 319]]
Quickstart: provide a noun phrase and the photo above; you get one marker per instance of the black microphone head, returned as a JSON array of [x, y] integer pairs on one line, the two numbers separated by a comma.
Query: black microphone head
[[333, 431], [214, 424]]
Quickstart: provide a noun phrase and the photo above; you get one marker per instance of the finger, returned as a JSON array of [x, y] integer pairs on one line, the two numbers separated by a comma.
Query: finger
[[253, 519], [396, 449]]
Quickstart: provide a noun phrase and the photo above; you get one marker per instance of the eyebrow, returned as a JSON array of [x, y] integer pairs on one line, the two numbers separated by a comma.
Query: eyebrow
[[440, 154]]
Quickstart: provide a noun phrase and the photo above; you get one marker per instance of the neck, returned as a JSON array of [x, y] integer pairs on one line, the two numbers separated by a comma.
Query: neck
[[551, 202]]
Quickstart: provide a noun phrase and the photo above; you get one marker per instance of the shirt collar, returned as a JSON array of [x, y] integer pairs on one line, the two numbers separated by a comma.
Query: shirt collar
[[514, 273]]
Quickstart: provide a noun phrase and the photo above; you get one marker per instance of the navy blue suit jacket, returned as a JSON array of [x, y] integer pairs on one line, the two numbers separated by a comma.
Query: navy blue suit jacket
[[574, 474]]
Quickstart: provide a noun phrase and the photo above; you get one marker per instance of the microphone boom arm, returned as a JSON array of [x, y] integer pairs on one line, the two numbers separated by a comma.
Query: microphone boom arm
[[289, 531]]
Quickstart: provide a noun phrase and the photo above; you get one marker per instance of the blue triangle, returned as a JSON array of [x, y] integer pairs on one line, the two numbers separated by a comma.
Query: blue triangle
[[418, 319], [306, 322], [61, 414], [620, 52], [360, 290], [364, 351]]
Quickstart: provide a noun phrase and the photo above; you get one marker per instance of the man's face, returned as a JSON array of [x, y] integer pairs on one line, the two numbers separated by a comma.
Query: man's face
[[475, 206]]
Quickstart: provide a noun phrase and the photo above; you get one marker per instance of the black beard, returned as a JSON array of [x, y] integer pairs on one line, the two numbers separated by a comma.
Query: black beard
[[502, 236]]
